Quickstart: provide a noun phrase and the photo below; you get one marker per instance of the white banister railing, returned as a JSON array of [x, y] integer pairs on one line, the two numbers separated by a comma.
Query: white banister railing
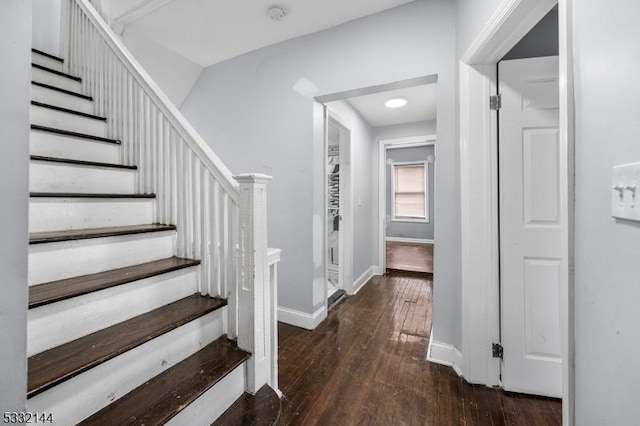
[[195, 190], [220, 222]]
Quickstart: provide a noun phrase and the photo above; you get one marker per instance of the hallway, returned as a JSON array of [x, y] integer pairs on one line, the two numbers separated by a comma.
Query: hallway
[[365, 364]]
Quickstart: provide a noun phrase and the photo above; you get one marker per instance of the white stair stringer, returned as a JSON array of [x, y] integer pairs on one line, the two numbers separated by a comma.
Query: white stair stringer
[[79, 397], [57, 323], [45, 61], [215, 401], [58, 214], [52, 176], [48, 117], [57, 98], [46, 77], [48, 144], [66, 259]]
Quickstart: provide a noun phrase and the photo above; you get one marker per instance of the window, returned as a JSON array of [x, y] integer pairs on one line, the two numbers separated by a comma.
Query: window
[[410, 196]]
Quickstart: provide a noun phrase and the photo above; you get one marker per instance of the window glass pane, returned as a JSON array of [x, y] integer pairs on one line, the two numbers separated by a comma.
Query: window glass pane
[[410, 205], [410, 178]]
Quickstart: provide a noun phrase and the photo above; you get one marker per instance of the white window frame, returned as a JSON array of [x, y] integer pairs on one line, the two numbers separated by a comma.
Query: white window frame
[[425, 165]]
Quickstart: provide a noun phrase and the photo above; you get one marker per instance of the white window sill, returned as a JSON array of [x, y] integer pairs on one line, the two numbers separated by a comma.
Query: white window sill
[[410, 220]]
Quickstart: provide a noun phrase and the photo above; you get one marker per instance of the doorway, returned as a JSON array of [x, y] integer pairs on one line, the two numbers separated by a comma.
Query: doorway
[[407, 204], [338, 185], [479, 191]]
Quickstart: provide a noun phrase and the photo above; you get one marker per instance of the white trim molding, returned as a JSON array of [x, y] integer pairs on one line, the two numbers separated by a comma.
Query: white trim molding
[[359, 283], [409, 240], [302, 319], [445, 354]]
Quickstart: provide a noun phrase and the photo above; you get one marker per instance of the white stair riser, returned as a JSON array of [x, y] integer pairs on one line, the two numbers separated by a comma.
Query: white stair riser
[[210, 405], [64, 100], [81, 396], [46, 77], [57, 323], [66, 259], [45, 61], [46, 176], [67, 121], [59, 214], [60, 146]]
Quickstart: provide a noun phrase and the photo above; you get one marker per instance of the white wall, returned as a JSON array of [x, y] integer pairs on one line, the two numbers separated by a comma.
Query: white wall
[[15, 45], [472, 15], [45, 29], [247, 109], [174, 73], [607, 276]]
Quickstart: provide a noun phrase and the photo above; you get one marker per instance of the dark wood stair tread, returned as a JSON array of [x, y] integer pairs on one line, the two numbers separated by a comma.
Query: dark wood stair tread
[[56, 72], [55, 291], [69, 111], [83, 234], [82, 162], [86, 195], [162, 397], [63, 362], [39, 128], [61, 90], [48, 55], [261, 409]]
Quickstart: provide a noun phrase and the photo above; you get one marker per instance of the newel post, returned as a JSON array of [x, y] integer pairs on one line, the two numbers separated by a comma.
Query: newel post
[[254, 295]]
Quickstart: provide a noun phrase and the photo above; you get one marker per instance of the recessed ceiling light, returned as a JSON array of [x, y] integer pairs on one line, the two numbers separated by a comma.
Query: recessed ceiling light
[[395, 103]]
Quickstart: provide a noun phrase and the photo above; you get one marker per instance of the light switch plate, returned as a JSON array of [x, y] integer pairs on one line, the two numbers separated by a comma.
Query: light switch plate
[[625, 193]]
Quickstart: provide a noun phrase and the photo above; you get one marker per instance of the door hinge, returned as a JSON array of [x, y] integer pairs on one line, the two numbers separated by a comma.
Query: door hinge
[[498, 351], [495, 102]]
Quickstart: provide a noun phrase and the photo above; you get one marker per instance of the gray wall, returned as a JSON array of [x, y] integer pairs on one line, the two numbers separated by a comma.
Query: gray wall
[[471, 17], [15, 45], [607, 275], [542, 40], [410, 229], [250, 113]]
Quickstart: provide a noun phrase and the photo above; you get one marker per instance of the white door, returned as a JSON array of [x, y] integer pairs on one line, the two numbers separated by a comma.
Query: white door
[[531, 225]]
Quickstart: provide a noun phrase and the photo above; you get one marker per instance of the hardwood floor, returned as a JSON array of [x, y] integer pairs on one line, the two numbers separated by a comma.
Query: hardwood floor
[[365, 365], [410, 257]]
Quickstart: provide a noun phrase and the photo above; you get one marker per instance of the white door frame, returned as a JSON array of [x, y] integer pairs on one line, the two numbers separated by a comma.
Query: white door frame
[[346, 204], [479, 188], [383, 146]]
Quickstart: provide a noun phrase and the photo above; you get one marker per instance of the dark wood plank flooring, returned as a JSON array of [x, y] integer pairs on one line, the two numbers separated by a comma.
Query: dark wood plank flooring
[[365, 365], [410, 257], [261, 409]]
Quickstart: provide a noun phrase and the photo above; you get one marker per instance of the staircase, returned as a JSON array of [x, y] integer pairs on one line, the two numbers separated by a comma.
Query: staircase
[[123, 328]]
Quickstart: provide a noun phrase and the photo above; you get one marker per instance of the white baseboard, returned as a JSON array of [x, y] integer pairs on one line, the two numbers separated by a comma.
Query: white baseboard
[[409, 240], [445, 354], [302, 319], [364, 278]]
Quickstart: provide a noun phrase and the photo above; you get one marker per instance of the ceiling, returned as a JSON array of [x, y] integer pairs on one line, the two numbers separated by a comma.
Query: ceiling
[[211, 31], [421, 105]]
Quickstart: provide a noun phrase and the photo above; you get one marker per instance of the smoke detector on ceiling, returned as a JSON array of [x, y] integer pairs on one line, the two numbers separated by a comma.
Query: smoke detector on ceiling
[[276, 13]]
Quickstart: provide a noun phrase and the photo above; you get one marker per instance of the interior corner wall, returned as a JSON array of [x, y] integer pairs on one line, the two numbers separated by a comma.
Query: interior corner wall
[[256, 111], [174, 73], [607, 290], [15, 45], [45, 31]]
